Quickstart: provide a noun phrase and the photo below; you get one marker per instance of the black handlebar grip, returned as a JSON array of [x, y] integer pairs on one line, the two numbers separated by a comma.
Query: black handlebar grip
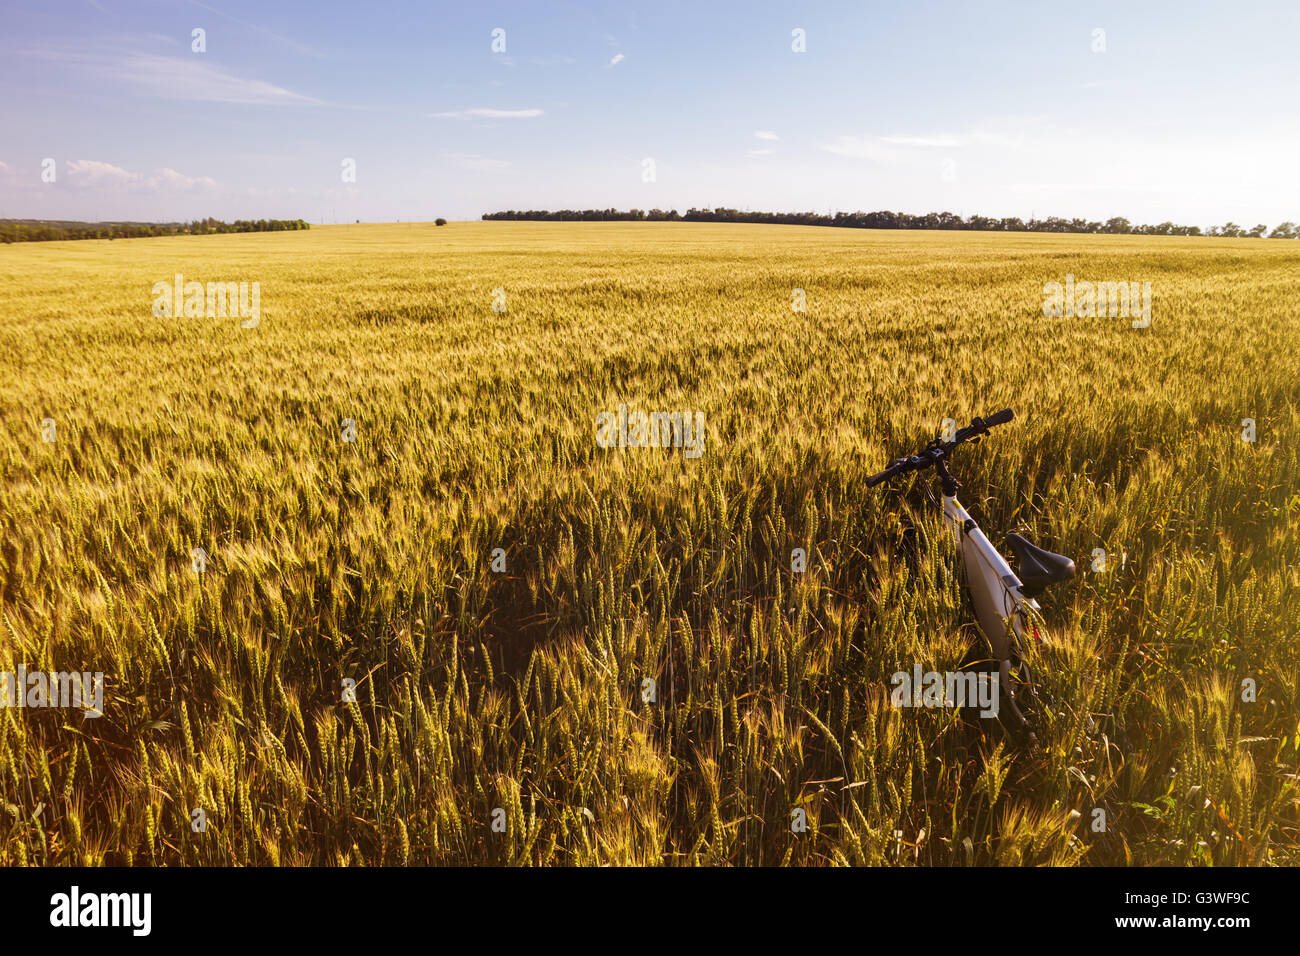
[[877, 479], [1000, 418]]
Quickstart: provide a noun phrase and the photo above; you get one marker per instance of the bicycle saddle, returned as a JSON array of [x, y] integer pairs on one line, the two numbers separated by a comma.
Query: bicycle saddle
[[1038, 568]]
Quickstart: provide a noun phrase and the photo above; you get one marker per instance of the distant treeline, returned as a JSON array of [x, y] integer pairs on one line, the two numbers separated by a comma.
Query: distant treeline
[[897, 220], [39, 230]]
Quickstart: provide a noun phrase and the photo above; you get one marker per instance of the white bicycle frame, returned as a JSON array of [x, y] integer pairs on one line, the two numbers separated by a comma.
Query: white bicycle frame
[[994, 588]]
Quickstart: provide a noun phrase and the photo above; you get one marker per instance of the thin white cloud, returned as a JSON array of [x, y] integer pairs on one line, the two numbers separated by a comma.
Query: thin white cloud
[[181, 79], [174, 78], [924, 142], [617, 59], [900, 148], [292, 44], [86, 174], [761, 152], [169, 180], [870, 148], [765, 134], [1012, 137], [485, 113]]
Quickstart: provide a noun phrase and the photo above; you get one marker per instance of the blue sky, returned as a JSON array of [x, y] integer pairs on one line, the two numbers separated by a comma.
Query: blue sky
[[1190, 113]]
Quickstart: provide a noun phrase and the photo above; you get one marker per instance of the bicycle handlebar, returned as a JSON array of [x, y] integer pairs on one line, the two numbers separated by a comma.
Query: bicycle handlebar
[[937, 450]]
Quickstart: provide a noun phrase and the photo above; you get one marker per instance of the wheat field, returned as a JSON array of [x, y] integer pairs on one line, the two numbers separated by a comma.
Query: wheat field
[[359, 677]]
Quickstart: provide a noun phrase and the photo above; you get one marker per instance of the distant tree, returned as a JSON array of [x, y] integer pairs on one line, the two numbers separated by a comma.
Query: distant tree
[[881, 219], [1258, 231], [1285, 230], [34, 231], [440, 222]]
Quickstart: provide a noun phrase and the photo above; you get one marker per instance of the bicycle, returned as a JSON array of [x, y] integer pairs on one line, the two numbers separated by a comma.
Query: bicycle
[[1003, 599]]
